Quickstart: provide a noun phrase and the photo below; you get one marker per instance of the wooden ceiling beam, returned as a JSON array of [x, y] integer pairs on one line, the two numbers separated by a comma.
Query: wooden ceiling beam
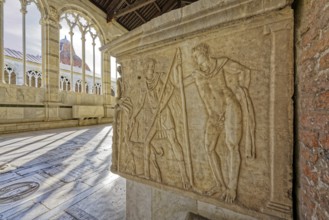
[[157, 6], [137, 13], [109, 10], [186, 2], [140, 16], [172, 6], [102, 2], [169, 6], [132, 7]]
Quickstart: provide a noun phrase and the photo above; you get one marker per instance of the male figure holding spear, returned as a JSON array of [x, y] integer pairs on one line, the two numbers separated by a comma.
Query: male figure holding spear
[[157, 102]]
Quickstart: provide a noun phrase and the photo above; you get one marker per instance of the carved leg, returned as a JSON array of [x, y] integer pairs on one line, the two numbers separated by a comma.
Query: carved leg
[[211, 139], [129, 160], [147, 153], [178, 153], [116, 132], [216, 169], [233, 129], [234, 168], [156, 166], [133, 165]]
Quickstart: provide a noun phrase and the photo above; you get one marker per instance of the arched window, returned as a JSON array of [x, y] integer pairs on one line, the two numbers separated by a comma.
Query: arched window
[[98, 89], [64, 83], [22, 36], [87, 88], [79, 48], [34, 78], [78, 87], [10, 75]]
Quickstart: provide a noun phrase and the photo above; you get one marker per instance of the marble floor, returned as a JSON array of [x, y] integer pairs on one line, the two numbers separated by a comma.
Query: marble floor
[[60, 174]]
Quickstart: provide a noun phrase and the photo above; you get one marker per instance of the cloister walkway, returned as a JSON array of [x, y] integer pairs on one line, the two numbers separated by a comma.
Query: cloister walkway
[[60, 174]]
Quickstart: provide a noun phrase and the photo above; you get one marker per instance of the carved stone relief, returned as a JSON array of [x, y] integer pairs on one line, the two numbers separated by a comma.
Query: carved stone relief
[[194, 117], [158, 119]]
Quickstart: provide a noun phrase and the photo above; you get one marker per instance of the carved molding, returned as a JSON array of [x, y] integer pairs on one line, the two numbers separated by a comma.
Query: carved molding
[[281, 34]]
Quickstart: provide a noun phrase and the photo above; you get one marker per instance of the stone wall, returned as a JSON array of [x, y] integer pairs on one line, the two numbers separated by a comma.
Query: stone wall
[[312, 119]]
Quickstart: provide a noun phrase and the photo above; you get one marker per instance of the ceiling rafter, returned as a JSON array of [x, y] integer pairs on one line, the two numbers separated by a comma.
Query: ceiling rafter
[[157, 6], [136, 13], [132, 8], [133, 13]]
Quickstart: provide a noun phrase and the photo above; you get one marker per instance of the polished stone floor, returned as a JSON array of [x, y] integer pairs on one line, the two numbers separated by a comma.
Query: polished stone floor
[[60, 174]]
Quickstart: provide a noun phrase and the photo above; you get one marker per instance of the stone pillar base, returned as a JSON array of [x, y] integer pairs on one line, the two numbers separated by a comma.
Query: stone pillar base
[[52, 111]]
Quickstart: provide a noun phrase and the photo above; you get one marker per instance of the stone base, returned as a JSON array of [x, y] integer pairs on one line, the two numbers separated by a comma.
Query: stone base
[[149, 203], [34, 126]]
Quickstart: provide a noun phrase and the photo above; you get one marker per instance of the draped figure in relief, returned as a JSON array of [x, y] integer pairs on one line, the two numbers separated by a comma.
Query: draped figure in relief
[[157, 105], [117, 119], [223, 87]]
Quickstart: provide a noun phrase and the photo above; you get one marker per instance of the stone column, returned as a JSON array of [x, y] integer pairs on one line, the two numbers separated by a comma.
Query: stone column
[[94, 68], [2, 75], [71, 58], [83, 81], [50, 37], [24, 11], [106, 85]]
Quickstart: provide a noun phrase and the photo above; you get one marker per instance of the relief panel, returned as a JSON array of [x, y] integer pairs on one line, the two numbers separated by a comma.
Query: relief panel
[[199, 116]]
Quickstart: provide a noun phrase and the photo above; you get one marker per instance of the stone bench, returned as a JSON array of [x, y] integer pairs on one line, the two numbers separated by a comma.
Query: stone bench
[[83, 112]]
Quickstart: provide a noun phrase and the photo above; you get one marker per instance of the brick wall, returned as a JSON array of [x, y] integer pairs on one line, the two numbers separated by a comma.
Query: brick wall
[[312, 80]]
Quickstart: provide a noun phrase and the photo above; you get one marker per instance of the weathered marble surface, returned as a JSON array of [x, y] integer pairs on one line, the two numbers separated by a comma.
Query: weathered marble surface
[[161, 204], [206, 107], [72, 168], [85, 111]]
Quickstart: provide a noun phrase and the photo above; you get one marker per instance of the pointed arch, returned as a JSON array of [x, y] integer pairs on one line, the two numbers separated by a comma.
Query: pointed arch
[[80, 10], [81, 49]]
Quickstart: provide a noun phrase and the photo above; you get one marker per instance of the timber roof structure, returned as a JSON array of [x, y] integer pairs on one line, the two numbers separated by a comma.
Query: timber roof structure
[[133, 13]]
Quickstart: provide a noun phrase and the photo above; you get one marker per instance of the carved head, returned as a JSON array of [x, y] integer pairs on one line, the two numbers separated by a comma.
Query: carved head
[[200, 53], [149, 65], [119, 70]]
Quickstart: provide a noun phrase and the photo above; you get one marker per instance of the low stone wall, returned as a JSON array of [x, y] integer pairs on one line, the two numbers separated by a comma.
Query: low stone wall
[[24, 108], [34, 126]]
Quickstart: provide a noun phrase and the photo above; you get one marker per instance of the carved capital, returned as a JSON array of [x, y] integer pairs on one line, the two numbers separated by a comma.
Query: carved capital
[[52, 18], [47, 21], [53, 14], [24, 3]]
